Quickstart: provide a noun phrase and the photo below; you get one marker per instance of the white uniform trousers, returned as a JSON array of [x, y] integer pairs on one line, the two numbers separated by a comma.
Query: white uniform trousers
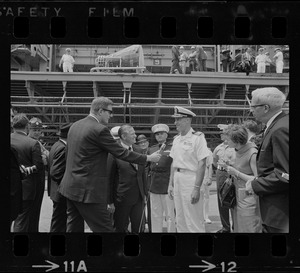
[[189, 217], [67, 67], [279, 66], [162, 205], [261, 67], [205, 193]]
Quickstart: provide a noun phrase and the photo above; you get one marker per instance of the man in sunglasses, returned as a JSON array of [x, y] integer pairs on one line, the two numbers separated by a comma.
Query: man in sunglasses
[[272, 182], [85, 183]]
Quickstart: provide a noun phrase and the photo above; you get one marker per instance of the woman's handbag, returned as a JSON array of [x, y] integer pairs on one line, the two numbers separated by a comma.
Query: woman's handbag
[[227, 193]]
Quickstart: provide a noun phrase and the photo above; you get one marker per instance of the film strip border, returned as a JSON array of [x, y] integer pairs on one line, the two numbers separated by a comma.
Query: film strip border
[[162, 23], [109, 252], [150, 22]]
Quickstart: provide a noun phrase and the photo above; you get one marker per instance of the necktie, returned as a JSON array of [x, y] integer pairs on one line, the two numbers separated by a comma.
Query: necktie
[[263, 130]]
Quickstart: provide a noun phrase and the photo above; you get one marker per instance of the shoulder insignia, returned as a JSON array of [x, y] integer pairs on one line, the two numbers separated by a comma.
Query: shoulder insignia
[[198, 133]]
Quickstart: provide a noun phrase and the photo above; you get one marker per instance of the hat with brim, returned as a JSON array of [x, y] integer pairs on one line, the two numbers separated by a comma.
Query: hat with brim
[[222, 126], [225, 51], [115, 132], [277, 48], [160, 128], [36, 123], [64, 130], [141, 139], [180, 112]]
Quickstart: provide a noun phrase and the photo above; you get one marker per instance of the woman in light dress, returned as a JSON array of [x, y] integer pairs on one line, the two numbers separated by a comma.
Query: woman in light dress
[[246, 216]]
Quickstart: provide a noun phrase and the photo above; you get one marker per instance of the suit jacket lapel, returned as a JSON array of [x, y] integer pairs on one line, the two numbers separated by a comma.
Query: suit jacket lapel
[[281, 115], [134, 166]]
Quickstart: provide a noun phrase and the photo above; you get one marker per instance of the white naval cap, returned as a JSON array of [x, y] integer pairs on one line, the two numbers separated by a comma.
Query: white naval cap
[[180, 112], [222, 126], [160, 128], [277, 48], [114, 132]]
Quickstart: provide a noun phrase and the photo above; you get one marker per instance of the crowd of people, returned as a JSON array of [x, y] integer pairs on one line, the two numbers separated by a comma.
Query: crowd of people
[[246, 61], [249, 61], [196, 60], [113, 181]]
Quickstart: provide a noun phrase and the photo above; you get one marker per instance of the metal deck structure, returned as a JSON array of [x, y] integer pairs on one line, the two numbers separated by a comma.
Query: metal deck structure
[[140, 99]]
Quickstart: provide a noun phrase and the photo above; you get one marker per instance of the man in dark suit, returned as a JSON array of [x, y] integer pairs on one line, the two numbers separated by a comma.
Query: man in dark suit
[[272, 182], [15, 185], [29, 155], [130, 190], [36, 132], [57, 164], [85, 183]]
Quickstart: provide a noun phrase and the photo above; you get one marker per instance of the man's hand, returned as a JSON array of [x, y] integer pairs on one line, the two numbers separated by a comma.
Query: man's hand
[[209, 182], [111, 208], [171, 192], [195, 196], [155, 157]]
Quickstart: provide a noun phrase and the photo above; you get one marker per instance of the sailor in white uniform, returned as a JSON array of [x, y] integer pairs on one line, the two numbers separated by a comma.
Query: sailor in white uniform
[[189, 152]]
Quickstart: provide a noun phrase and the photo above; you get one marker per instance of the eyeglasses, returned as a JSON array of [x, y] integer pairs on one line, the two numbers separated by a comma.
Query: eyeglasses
[[253, 106], [107, 110], [258, 105]]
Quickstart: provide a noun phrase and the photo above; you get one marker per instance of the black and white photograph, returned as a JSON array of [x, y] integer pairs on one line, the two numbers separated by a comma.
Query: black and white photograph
[[149, 138]]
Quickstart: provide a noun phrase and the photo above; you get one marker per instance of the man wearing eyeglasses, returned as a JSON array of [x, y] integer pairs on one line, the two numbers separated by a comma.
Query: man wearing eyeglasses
[[272, 182], [85, 183]]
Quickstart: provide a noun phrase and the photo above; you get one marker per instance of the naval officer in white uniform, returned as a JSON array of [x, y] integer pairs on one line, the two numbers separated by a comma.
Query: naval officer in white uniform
[[189, 152]]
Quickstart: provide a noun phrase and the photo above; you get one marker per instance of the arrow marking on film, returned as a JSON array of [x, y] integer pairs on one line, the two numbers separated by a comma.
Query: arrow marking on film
[[51, 266], [207, 267]]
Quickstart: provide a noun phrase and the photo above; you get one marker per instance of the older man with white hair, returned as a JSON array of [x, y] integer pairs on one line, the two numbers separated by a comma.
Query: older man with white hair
[[272, 181], [189, 152]]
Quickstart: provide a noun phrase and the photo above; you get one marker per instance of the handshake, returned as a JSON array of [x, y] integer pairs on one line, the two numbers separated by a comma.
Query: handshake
[[28, 170], [155, 157]]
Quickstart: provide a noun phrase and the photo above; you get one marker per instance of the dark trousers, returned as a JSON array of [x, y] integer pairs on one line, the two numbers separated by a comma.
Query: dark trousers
[[59, 216], [22, 222], [149, 214], [193, 65], [37, 204], [175, 65], [95, 215], [133, 211], [268, 229], [224, 212], [201, 65]]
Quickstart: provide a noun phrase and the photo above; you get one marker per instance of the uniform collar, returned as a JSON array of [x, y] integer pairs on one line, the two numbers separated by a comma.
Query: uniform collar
[[188, 135]]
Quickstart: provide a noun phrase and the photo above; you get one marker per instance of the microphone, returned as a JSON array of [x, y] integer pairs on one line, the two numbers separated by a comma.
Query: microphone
[[162, 147]]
